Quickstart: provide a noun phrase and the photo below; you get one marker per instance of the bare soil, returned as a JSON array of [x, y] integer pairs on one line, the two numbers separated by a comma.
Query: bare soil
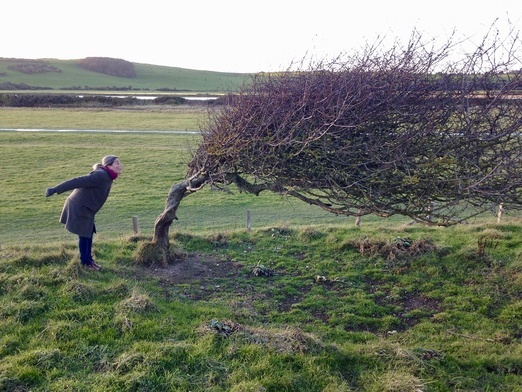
[[195, 268]]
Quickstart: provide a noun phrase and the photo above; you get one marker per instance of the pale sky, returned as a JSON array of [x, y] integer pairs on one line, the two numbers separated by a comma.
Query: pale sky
[[234, 35]]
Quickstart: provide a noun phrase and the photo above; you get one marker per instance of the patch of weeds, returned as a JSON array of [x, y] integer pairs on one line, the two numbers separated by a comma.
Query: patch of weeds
[[32, 258], [136, 238], [224, 328], [73, 269], [5, 286], [491, 234], [20, 377], [52, 258], [486, 243], [262, 270]]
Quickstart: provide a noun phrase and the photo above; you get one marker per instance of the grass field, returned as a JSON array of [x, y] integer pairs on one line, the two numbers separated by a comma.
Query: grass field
[[305, 301], [180, 118], [152, 163]]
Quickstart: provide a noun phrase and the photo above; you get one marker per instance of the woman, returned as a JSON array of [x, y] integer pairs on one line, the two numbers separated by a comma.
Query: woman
[[89, 195]]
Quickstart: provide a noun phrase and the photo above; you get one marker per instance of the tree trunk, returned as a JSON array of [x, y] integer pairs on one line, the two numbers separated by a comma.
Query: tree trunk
[[176, 194], [165, 219]]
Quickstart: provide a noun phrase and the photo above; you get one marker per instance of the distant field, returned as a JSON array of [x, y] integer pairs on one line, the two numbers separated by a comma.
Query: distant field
[[148, 78], [33, 161], [179, 118]]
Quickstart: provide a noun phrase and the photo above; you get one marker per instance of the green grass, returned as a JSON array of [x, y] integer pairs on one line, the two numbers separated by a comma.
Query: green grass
[[179, 118], [152, 163], [148, 78], [442, 319], [331, 307]]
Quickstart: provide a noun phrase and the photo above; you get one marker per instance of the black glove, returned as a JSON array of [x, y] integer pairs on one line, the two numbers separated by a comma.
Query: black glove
[[50, 192]]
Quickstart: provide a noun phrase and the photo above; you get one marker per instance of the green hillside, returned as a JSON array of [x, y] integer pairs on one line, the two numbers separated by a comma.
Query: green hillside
[[67, 75]]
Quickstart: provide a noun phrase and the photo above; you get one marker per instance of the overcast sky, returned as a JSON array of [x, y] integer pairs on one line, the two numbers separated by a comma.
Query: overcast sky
[[233, 35]]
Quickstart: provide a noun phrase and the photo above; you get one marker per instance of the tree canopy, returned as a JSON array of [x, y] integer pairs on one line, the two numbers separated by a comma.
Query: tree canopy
[[411, 130]]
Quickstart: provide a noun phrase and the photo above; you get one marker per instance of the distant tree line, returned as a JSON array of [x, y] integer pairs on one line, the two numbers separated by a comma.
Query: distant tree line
[[21, 86], [108, 66], [30, 66], [73, 100]]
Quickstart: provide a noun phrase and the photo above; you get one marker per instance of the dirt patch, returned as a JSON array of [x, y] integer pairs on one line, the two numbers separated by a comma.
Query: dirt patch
[[195, 268]]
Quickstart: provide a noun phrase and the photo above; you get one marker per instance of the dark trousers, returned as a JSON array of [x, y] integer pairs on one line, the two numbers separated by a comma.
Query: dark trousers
[[85, 247]]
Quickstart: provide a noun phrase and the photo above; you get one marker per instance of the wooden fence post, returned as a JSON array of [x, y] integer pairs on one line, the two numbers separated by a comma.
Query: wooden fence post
[[135, 225], [499, 212], [249, 220], [358, 219]]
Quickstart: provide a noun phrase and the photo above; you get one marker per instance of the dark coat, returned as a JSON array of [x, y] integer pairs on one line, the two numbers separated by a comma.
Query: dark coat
[[89, 195]]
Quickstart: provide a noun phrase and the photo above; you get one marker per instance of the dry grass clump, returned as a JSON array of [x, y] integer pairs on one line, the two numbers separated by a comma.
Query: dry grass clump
[[398, 248], [288, 340], [138, 302], [309, 233], [149, 254], [219, 239]]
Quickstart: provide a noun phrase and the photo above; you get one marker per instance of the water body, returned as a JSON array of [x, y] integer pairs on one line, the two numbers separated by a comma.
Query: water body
[[151, 97]]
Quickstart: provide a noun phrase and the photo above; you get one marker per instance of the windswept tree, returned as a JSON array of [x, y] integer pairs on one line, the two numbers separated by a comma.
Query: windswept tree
[[411, 130]]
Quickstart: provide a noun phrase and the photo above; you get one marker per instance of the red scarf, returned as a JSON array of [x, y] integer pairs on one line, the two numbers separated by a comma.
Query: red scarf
[[112, 173]]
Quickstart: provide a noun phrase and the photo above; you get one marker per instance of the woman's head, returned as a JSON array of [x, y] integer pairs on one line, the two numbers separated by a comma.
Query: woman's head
[[113, 163], [108, 160]]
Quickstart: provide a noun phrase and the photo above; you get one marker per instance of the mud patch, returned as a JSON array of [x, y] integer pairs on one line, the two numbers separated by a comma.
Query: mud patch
[[195, 268]]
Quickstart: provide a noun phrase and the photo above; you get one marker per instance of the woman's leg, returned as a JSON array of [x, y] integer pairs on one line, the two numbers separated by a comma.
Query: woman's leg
[[85, 247]]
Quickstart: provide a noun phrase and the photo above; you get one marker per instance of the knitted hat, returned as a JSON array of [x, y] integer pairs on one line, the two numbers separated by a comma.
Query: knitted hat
[[109, 160]]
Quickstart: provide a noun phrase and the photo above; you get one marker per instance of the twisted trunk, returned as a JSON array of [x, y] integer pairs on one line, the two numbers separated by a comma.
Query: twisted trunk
[[176, 194]]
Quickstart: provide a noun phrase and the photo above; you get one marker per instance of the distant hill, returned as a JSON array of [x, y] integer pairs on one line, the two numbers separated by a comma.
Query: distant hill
[[108, 74]]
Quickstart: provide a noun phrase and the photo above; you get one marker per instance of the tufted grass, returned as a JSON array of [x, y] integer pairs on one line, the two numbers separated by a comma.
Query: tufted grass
[[330, 317]]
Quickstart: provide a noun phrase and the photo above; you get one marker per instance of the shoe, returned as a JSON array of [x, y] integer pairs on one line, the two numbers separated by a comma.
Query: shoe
[[91, 267], [96, 264]]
